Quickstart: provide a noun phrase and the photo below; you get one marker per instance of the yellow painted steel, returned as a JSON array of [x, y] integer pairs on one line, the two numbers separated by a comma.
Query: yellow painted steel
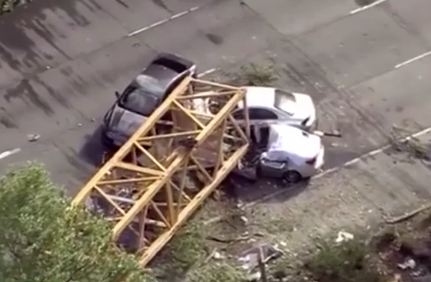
[[148, 192]]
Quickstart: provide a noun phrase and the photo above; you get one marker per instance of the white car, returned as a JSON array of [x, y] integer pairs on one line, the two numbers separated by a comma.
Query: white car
[[272, 105], [291, 153]]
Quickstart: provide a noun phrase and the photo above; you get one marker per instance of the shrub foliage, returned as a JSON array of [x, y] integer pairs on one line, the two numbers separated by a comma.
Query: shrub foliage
[[44, 239]]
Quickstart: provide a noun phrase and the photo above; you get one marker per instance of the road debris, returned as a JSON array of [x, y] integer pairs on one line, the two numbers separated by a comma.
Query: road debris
[[249, 259], [244, 219], [214, 255], [243, 237], [343, 237], [33, 137], [408, 215], [409, 263], [335, 133], [262, 267], [254, 277], [397, 278]]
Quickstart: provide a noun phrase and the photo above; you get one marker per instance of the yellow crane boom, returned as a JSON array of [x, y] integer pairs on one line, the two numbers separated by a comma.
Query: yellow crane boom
[[160, 176]]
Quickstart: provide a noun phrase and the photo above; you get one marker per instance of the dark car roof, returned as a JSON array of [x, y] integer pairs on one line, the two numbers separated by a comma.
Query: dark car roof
[[164, 75], [166, 68]]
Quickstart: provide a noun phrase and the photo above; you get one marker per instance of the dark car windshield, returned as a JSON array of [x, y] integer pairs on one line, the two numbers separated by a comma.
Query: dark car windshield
[[173, 65], [143, 96]]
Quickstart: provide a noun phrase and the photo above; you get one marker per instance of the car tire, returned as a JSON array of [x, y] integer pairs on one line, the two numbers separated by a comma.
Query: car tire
[[292, 176]]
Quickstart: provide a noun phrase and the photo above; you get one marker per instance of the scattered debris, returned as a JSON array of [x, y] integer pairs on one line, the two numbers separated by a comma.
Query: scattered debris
[[343, 237], [334, 133], [262, 267], [214, 255], [409, 263], [243, 237], [218, 256], [411, 145], [250, 258], [254, 277], [244, 219], [407, 215], [33, 137], [397, 278]]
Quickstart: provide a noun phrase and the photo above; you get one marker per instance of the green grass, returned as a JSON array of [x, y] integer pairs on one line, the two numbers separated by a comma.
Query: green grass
[[253, 75], [216, 272], [345, 262]]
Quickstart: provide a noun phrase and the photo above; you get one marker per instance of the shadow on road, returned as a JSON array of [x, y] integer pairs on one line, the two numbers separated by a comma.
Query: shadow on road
[[247, 191], [93, 150]]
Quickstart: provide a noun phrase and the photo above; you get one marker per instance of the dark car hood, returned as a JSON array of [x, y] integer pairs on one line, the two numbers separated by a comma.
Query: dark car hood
[[124, 122]]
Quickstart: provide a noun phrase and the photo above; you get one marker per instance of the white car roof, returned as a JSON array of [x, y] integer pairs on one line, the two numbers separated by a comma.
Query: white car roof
[[259, 97]]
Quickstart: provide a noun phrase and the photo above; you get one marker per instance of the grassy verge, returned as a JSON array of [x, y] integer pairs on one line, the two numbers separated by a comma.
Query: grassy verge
[[253, 74], [345, 262], [189, 255]]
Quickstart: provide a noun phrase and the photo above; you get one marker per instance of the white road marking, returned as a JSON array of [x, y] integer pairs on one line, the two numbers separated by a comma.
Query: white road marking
[[421, 56], [133, 33], [207, 72], [6, 154], [367, 7], [334, 169]]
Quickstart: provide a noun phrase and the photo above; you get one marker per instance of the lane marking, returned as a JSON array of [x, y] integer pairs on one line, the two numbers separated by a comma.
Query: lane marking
[[421, 56], [367, 7], [207, 72], [334, 169], [6, 154], [176, 16]]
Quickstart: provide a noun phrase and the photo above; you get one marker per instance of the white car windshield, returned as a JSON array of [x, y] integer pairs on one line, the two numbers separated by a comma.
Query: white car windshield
[[144, 96], [285, 101]]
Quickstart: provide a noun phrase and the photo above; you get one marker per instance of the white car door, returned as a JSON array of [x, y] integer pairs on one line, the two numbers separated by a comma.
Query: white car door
[[260, 118]]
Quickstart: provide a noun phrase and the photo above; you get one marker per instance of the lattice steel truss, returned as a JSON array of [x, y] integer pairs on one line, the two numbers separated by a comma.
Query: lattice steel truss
[[162, 174]]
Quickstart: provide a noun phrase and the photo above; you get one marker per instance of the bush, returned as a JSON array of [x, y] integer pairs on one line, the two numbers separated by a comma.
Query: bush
[[346, 262], [44, 239], [181, 254], [216, 272], [253, 75]]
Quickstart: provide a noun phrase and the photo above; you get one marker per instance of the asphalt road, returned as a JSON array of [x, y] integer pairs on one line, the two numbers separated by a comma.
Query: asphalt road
[[61, 62]]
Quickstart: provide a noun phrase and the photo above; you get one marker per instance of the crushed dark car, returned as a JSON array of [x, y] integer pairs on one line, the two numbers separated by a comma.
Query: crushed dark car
[[143, 95]]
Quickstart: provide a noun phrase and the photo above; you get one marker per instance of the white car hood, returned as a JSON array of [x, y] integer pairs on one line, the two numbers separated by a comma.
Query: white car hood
[[296, 144]]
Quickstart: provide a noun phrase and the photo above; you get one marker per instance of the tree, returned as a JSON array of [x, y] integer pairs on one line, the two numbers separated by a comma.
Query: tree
[[43, 238]]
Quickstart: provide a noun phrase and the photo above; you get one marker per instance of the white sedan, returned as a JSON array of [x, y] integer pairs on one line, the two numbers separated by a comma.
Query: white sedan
[[269, 105], [291, 153]]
